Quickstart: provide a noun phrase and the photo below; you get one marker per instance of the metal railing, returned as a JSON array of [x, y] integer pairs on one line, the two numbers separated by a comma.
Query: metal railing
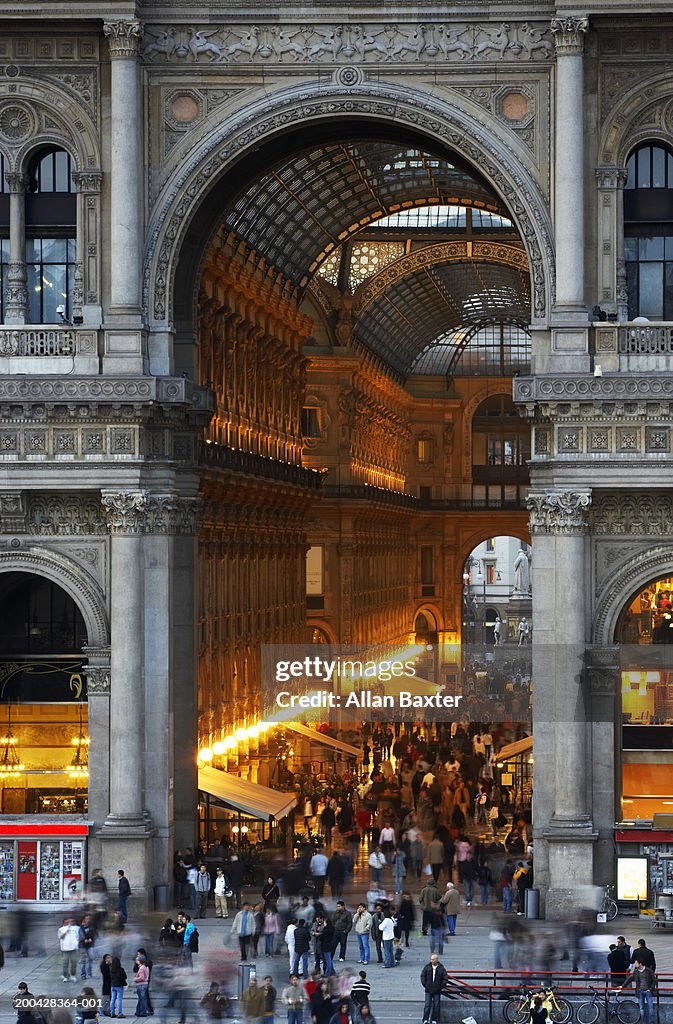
[[498, 985]]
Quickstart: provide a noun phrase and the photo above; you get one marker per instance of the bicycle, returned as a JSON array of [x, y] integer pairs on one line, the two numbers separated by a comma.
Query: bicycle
[[609, 903], [625, 1010], [517, 1009]]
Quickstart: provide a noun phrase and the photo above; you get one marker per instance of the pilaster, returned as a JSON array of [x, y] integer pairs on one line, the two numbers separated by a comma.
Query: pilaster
[[559, 523], [570, 334], [611, 269], [17, 287]]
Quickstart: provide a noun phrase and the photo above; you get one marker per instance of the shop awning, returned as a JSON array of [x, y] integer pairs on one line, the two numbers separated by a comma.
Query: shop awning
[[511, 750], [320, 737], [247, 797]]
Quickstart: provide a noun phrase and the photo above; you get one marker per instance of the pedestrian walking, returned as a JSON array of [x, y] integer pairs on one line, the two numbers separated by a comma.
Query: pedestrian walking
[[68, 937], [118, 983], [271, 930], [377, 862], [302, 945], [360, 991], [318, 868], [399, 861], [293, 998], [190, 941], [270, 997], [433, 980], [215, 1002], [253, 1001], [343, 1014], [362, 922], [406, 918], [106, 990], [203, 887], [428, 895], [288, 939], [124, 893], [450, 904], [87, 938], [377, 921], [343, 923], [645, 985], [142, 987], [387, 931], [243, 928], [221, 888]]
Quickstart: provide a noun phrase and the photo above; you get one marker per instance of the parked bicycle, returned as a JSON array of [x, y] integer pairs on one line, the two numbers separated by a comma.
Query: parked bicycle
[[620, 1008], [609, 903], [517, 1009]]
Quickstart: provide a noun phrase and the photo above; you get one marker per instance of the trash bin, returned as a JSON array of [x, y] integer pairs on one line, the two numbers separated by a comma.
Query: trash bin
[[532, 907], [161, 898], [245, 973]]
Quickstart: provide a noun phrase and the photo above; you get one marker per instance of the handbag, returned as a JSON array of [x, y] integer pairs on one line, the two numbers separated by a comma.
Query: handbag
[[228, 893]]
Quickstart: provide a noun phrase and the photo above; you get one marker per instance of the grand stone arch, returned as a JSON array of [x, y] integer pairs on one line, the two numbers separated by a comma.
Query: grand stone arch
[[72, 579], [495, 387], [49, 116], [641, 113], [509, 172], [640, 570]]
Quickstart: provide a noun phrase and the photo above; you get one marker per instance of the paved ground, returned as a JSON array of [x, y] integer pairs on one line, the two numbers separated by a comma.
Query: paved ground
[[396, 994]]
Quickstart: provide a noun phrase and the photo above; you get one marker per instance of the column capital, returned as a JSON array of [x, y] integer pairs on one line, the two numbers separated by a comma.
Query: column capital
[[123, 38], [171, 513], [559, 512], [87, 181], [17, 181], [125, 511], [569, 34], [610, 177]]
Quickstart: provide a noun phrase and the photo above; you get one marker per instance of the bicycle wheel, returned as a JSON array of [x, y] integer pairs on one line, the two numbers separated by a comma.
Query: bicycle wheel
[[611, 909], [561, 1011], [515, 1011], [628, 1011], [588, 1013]]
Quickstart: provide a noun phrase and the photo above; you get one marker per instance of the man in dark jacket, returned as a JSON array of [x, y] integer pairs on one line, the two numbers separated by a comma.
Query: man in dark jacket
[[235, 872], [645, 955], [124, 893], [618, 962], [433, 980], [302, 944], [343, 922], [336, 874]]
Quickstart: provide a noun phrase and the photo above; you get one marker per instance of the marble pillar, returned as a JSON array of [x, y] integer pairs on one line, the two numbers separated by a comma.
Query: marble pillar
[[570, 334], [561, 733], [97, 672], [17, 288], [125, 342]]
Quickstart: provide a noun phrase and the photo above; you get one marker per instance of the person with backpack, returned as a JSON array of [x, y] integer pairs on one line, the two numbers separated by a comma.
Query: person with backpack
[[190, 941]]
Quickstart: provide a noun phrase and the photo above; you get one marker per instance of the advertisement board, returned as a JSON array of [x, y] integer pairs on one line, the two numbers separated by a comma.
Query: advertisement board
[[632, 878]]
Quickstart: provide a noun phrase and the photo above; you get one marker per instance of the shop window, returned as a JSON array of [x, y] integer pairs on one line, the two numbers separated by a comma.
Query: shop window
[[50, 271], [490, 572], [490, 544], [648, 232], [424, 450]]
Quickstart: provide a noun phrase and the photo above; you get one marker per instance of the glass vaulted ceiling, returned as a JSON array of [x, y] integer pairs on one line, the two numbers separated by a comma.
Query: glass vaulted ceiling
[[298, 214]]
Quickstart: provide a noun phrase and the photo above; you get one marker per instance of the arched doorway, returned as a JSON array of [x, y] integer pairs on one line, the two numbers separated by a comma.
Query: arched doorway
[[497, 597], [43, 698], [645, 634]]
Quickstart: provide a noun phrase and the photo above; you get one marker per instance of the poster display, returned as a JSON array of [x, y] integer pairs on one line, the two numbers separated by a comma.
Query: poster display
[[50, 871], [26, 879], [6, 871], [72, 871]]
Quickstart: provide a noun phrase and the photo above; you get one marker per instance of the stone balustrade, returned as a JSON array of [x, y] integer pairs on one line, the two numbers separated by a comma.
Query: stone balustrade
[[640, 347], [30, 349]]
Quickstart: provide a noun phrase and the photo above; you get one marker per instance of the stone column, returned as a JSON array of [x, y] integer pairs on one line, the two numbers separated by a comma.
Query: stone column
[[17, 290], [569, 176], [125, 343], [604, 678], [559, 522], [610, 237], [87, 291], [569, 321], [97, 672], [126, 165], [126, 513]]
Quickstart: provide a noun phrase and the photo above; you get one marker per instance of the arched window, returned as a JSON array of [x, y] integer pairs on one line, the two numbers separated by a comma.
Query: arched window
[[51, 219], [4, 238], [500, 452], [648, 232]]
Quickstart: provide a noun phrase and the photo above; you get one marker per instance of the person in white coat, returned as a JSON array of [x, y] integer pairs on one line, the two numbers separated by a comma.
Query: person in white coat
[[289, 940], [68, 937]]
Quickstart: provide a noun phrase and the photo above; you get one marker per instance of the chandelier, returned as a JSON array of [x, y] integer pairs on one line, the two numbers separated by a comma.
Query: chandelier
[[79, 766], [10, 762]]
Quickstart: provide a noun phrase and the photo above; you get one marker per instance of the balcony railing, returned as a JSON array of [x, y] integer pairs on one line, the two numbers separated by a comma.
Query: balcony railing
[[646, 339], [27, 349]]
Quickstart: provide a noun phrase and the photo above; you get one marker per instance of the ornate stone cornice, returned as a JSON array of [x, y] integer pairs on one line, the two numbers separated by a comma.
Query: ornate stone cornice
[[123, 38], [559, 512], [126, 511], [585, 387], [88, 181], [569, 35], [610, 177]]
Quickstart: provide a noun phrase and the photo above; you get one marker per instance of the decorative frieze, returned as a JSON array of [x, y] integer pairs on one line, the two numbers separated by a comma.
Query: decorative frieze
[[352, 44], [559, 512], [12, 512], [638, 513], [65, 515]]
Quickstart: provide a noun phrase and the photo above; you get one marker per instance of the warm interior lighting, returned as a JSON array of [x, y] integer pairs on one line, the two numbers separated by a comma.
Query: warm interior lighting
[[79, 766], [10, 763], [253, 732], [241, 734], [244, 829], [229, 742], [263, 726], [625, 801], [219, 748], [235, 830], [205, 754]]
